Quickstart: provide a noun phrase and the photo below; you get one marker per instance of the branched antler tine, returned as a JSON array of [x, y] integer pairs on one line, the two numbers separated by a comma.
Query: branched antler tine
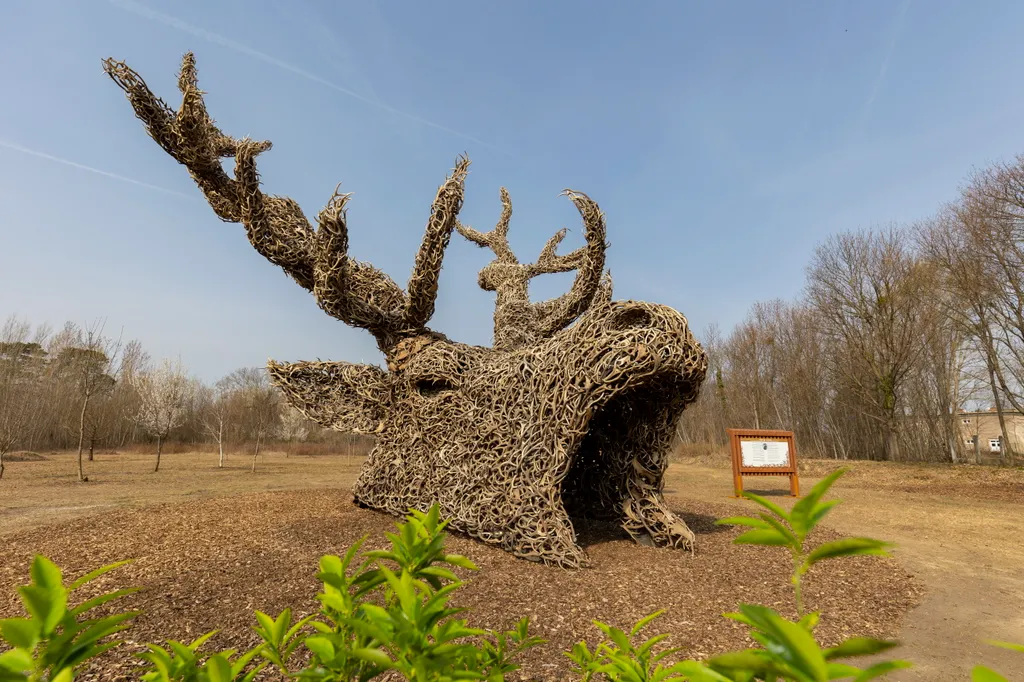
[[444, 217], [194, 122], [550, 262], [189, 135], [354, 292], [560, 312], [497, 239], [276, 226], [154, 113]]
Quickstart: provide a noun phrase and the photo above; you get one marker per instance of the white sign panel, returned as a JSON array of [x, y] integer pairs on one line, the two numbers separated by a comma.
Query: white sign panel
[[764, 453]]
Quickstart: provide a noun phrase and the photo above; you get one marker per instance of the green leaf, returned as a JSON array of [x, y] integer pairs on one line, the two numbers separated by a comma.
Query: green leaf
[[803, 511], [65, 675], [330, 563], [21, 632], [982, 674], [810, 621], [695, 672], [16, 661], [858, 646], [374, 656], [201, 640], [89, 577], [460, 561], [218, 668], [792, 540], [438, 572], [1006, 645], [742, 521], [267, 629], [821, 511], [90, 604], [751, 660], [879, 669], [768, 504], [762, 537], [788, 641], [847, 547], [45, 604], [841, 671], [45, 573], [321, 646], [645, 621]]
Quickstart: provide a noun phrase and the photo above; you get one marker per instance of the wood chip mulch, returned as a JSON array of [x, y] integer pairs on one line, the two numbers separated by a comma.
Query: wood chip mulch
[[207, 564]]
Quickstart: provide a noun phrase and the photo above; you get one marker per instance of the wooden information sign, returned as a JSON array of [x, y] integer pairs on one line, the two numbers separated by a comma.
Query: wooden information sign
[[761, 452]]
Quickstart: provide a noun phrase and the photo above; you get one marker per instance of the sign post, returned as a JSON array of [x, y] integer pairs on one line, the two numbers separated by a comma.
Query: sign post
[[762, 452]]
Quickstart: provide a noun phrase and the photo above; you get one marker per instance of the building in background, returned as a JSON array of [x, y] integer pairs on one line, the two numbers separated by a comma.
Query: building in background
[[982, 436]]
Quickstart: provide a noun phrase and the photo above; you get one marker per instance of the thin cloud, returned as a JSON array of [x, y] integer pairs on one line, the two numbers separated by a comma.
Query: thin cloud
[[173, 22], [81, 166], [897, 30]]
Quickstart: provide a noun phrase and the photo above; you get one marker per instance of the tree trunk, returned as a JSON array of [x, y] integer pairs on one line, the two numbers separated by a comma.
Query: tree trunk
[[220, 446], [159, 449], [891, 452], [92, 446], [1004, 444], [81, 438], [2, 464], [256, 453]]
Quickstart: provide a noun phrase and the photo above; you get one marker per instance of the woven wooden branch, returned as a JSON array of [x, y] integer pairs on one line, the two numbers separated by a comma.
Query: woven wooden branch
[[569, 416]]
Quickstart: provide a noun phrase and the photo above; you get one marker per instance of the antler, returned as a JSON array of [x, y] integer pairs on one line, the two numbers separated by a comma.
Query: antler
[[356, 293], [496, 239], [517, 322]]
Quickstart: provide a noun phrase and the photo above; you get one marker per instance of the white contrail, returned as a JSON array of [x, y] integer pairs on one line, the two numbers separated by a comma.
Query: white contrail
[[897, 30], [173, 22], [81, 166]]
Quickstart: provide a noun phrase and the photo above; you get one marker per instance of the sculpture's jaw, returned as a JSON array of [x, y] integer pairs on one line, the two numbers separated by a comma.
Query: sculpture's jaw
[[617, 466]]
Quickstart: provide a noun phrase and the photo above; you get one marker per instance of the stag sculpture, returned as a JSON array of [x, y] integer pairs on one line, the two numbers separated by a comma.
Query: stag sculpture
[[569, 416]]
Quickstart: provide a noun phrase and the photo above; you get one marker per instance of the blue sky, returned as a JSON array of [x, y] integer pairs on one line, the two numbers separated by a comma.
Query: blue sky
[[722, 140]]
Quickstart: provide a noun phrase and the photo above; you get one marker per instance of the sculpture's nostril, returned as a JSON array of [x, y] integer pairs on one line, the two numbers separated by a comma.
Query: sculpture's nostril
[[630, 318]]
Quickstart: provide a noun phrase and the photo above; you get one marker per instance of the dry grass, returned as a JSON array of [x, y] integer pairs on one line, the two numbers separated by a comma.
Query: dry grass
[[211, 545], [47, 491]]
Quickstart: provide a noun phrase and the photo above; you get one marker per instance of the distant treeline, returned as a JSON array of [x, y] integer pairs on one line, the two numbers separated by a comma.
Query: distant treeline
[[897, 331], [80, 388]]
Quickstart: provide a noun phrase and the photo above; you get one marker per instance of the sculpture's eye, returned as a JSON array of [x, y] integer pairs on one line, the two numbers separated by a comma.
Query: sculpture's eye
[[630, 318], [433, 386]]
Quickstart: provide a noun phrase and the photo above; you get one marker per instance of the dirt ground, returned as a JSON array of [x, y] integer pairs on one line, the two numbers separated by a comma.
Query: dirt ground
[[211, 545]]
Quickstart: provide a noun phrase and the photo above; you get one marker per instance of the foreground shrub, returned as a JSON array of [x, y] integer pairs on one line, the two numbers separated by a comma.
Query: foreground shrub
[[390, 612]]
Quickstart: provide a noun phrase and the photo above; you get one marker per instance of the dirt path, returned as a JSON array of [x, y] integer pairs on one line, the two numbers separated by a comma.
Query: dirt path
[[968, 552]]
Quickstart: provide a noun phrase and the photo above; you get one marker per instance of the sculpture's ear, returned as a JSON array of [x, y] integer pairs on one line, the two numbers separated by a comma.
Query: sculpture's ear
[[338, 395]]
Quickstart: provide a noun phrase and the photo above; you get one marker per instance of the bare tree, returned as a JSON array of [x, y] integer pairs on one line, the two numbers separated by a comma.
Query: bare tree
[[21, 365], [869, 292], [215, 404], [164, 393], [260, 400], [88, 364]]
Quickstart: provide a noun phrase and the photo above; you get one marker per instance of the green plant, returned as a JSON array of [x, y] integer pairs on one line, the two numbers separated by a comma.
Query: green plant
[[392, 612], [411, 628], [183, 663], [54, 640], [779, 528], [788, 650]]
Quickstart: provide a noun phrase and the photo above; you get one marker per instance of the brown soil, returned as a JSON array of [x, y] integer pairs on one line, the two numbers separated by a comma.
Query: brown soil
[[211, 545]]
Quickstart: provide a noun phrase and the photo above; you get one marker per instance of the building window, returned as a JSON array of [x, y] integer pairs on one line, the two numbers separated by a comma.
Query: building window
[[969, 440], [994, 445], [965, 421]]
